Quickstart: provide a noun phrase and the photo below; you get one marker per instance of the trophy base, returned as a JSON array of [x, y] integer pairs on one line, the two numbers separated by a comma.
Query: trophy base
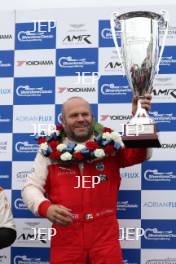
[[141, 136]]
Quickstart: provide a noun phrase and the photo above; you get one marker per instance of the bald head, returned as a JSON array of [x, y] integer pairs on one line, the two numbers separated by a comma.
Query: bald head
[[77, 119], [72, 102]]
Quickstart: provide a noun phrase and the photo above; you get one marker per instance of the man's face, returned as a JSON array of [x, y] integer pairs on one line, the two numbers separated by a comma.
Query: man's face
[[77, 120]]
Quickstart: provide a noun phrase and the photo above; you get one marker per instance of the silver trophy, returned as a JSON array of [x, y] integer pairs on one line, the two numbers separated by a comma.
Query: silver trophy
[[140, 55]]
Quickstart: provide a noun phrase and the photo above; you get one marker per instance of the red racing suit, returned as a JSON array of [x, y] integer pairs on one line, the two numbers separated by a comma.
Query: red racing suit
[[92, 238]]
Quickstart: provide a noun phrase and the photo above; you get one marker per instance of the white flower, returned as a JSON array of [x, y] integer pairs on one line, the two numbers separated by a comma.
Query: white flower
[[61, 147], [44, 146], [79, 147], [99, 153], [55, 131], [66, 156], [51, 130], [106, 136], [116, 137]]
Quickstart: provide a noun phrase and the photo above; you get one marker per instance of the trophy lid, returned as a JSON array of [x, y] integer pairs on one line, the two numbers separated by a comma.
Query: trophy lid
[[146, 14]]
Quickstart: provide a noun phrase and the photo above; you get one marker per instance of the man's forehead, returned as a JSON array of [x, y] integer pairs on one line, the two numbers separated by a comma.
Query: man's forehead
[[76, 105], [77, 110]]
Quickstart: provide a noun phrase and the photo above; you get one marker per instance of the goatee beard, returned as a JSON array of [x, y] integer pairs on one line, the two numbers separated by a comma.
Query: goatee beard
[[79, 138]]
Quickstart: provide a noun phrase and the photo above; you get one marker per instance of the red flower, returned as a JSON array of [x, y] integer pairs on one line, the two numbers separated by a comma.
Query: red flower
[[41, 140], [55, 155], [109, 149], [59, 127], [78, 155], [92, 145], [107, 129], [53, 144]]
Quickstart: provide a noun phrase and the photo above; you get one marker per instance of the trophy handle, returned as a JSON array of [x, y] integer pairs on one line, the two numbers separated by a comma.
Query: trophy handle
[[114, 21], [164, 21]]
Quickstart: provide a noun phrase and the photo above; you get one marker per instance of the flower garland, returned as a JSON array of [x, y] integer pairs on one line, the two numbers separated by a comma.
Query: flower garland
[[105, 143]]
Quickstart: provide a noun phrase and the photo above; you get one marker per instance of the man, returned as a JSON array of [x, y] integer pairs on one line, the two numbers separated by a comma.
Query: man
[[7, 225], [83, 216]]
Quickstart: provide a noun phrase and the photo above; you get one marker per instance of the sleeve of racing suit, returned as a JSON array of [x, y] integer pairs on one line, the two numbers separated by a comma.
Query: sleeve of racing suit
[[6, 218], [131, 156], [7, 224], [33, 192]]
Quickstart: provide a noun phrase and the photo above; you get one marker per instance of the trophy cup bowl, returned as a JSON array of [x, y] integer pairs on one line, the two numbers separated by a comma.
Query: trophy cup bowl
[[140, 57]]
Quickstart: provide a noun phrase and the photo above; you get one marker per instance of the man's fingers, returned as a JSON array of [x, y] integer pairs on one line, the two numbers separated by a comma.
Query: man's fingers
[[61, 222], [146, 102], [148, 96], [60, 214], [66, 219], [63, 211], [135, 99], [147, 107], [61, 206]]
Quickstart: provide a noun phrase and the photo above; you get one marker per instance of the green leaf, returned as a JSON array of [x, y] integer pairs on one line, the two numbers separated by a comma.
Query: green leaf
[[97, 127]]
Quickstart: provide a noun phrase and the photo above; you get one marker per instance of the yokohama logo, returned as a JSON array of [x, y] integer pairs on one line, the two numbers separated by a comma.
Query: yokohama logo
[[33, 63], [104, 117], [76, 89], [115, 117], [61, 89]]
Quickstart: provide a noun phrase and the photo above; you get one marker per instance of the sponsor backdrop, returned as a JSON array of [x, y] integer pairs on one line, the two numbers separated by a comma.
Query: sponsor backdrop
[[48, 56]]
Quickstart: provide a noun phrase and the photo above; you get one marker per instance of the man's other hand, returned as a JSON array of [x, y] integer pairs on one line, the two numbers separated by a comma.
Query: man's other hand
[[145, 103], [58, 214]]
